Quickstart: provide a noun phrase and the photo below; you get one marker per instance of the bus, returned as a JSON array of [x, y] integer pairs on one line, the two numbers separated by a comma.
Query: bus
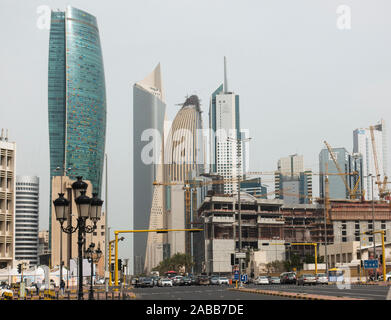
[[336, 275]]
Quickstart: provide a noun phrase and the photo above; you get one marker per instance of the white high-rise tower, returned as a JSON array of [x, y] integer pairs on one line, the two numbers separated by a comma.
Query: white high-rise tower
[[362, 143], [224, 122]]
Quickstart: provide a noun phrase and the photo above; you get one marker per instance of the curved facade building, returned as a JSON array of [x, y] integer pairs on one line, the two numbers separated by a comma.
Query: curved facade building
[[184, 156], [149, 109], [76, 96], [27, 218], [184, 148]]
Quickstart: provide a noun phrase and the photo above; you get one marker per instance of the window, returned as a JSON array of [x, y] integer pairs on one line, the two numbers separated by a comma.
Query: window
[[94, 233], [344, 239], [370, 239]]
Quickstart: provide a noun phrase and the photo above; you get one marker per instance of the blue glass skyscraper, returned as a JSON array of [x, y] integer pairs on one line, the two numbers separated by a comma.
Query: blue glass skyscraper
[[76, 97]]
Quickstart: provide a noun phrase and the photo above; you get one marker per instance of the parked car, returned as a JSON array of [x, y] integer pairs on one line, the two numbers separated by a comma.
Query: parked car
[[261, 280], [304, 279], [155, 279], [177, 280], [321, 278], [274, 280], [203, 280], [223, 280], [165, 282], [288, 277]]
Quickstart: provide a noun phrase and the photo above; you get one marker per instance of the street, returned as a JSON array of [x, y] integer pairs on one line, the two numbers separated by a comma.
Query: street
[[198, 293]]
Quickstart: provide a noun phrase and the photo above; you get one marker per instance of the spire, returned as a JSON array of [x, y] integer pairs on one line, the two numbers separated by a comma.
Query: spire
[[225, 75], [153, 83]]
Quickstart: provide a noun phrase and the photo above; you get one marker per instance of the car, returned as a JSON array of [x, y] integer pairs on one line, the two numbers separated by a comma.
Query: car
[[321, 278], [304, 279], [388, 277], [6, 291], [214, 280], [261, 280], [223, 280], [187, 281], [177, 280], [203, 280], [155, 279], [288, 278], [165, 282], [274, 280], [146, 282]]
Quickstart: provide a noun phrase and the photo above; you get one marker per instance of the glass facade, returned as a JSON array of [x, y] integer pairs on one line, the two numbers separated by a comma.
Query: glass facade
[[76, 96]]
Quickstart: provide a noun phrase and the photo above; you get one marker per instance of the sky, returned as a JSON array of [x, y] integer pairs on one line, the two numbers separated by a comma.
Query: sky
[[301, 79]]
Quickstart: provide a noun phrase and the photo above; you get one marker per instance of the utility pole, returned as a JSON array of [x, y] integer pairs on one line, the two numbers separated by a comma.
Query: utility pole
[[373, 226], [326, 203], [239, 142]]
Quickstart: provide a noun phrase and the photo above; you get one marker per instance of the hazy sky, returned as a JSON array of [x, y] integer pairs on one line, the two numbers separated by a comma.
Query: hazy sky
[[301, 80]]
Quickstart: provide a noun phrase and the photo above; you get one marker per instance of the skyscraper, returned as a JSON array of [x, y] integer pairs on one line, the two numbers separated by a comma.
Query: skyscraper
[[76, 97], [292, 182], [7, 201], [225, 123], [362, 143], [349, 163], [27, 219], [184, 157], [149, 110]]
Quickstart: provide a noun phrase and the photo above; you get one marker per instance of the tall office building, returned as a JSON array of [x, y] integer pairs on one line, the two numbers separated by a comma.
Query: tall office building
[[362, 143], [292, 182], [27, 219], [76, 98], [224, 123], [7, 201], [149, 110], [184, 157], [349, 163]]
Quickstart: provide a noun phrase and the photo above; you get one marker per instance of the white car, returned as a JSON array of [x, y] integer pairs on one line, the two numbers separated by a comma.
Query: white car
[[261, 280], [223, 280], [321, 278], [388, 277], [165, 282]]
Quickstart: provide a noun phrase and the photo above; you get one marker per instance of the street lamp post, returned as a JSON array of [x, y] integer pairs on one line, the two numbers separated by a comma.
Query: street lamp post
[[86, 208], [93, 256]]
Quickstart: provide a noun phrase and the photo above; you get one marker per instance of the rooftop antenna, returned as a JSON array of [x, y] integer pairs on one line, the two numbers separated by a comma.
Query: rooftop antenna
[[2, 134], [225, 75], [6, 135]]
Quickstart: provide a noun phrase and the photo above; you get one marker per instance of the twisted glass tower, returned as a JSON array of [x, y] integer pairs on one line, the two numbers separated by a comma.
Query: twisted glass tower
[[76, 97]]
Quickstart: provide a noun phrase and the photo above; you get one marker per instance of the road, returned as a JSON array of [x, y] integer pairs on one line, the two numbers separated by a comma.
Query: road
[[198, 293], [367, 292]]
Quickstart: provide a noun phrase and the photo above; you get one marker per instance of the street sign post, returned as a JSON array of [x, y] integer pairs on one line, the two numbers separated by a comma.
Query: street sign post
[[236, 274], [240, 255], [371, 264]]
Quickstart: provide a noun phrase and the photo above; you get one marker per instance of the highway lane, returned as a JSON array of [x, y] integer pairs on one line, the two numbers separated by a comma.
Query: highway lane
[[198, 293], [370, 292]]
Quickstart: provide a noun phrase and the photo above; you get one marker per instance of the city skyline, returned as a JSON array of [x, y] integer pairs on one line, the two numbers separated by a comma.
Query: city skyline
[[335, 90]]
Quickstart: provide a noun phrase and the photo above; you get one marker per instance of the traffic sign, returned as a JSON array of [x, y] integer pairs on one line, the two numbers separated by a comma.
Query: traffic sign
[[243, 278], [371, 264], [240, 255], [236, 274]]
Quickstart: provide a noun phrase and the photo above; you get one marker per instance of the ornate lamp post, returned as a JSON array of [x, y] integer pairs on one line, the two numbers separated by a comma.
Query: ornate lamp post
[[86, 208], [93, 256]]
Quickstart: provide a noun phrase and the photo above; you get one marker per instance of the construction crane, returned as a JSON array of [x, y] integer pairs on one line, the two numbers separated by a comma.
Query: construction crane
[[383, 192], [352, 192]]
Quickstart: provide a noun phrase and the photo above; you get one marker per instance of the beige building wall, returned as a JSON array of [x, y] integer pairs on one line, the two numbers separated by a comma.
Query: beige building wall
[[7, 202], [69, 241]]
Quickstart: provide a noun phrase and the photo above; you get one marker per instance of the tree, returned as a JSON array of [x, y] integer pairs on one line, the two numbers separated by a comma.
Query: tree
[[174, 263]]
